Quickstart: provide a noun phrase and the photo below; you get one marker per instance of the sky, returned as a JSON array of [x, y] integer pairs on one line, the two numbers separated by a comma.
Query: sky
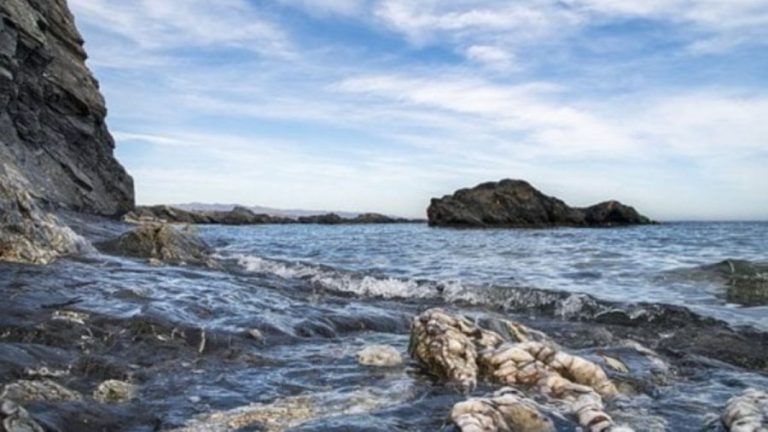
[[379, 105]]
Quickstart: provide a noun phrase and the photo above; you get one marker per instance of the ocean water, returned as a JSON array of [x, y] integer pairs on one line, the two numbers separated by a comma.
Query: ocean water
[[315, 295], [638, 264]]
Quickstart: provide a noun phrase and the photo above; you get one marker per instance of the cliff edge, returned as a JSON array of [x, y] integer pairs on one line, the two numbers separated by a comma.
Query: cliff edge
[[55, 149]]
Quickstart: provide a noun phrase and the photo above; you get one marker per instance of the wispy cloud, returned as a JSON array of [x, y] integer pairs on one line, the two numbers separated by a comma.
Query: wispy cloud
[[381, 104]]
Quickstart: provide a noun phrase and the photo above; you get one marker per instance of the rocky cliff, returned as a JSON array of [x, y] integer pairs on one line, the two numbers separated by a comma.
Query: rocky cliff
[[55, 149], [517, 204], [51, 112]]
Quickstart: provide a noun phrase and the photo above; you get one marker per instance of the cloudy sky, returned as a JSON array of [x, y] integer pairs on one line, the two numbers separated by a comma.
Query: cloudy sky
[[378, 105]]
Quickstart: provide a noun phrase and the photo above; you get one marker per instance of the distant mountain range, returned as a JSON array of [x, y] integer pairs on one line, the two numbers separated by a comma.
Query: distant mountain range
[[263, 210]]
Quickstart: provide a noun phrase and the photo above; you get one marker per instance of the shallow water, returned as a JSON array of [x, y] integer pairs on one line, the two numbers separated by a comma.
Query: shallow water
[[318, 294]]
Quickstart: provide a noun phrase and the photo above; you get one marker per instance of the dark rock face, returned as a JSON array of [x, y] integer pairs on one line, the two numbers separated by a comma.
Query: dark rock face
[[52, 114], [612, 213], [517, 204], [161, 242]]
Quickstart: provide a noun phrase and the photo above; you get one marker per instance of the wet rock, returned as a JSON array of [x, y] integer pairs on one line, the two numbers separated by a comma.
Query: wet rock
[[380, 355], [114, 392], [14, 418], [162, 242], [446, 346], [28, 234], [44, 390], [52, 116], [747, 412], [517, 204], [507, 410], [288, 413]]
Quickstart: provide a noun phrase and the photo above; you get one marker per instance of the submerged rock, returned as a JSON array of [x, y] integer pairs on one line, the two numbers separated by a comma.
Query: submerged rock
[[747, 412], [380, 355], [506, 410], [14, 418], [44, 390], [162, 242], [517, 204], [114, 392]]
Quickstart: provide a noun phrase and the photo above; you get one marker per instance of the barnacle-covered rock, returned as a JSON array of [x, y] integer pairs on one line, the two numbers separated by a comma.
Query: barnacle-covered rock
[[747, 412], [44, 390], [447, 346], [379, 355], [114, 392], [506, 411], [575, 368], [14, 418]]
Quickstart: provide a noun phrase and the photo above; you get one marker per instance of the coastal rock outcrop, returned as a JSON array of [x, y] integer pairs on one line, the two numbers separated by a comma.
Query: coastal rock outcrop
[[55, 149], [517, 204], [457, 350], [161, 242], [52, 116]]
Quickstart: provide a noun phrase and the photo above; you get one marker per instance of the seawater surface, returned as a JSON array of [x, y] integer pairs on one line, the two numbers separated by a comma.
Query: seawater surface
[[290, 306], [636, 264]]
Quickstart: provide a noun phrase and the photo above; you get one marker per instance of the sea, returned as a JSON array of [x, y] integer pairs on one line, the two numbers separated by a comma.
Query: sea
[[297, 302]]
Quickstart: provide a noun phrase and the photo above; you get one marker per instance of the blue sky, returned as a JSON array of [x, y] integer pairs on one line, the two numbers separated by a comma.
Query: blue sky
[[378, 105]]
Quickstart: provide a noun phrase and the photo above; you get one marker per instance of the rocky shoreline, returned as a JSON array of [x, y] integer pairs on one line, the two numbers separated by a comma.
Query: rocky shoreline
[[243, 216]]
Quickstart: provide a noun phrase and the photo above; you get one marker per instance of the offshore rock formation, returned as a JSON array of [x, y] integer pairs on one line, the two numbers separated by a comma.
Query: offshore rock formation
[[456, 350], [161, 242], [517, 204], [52, 130]]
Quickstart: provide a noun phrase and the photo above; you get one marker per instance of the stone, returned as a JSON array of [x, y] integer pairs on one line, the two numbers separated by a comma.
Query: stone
[[162, 242], [507, 410], [517, 204], [380, 355], [43, 390], [114, 392], [446, 346], [747, 412], [14, 418]]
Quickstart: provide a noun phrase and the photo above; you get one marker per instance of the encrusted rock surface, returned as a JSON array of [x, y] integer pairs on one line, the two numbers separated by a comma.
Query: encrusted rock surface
[[44, 390], [447, 345], [27, 233], [453, 348], [517, 204], [52, 114], [161, 242], [14, 418], [114, 392], [506, 411], [380, 355], [747, 412]]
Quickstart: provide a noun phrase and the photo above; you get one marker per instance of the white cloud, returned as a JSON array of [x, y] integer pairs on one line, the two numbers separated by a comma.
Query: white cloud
[[163, 25]]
